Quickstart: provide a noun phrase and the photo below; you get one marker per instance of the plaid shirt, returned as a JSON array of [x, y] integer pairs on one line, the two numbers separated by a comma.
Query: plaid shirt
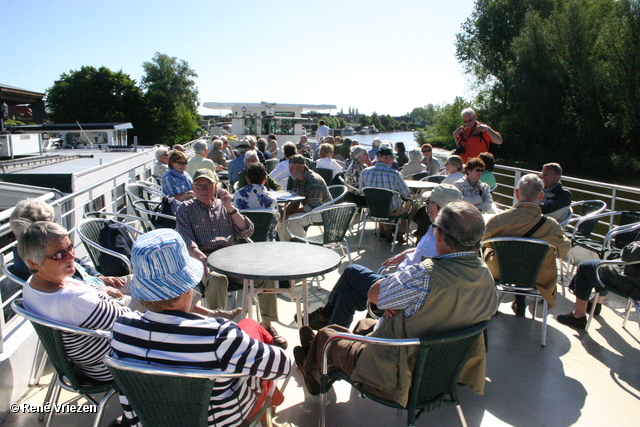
[[313, 188], [382, 176], [174, 182], [209, 228], [410, 288]]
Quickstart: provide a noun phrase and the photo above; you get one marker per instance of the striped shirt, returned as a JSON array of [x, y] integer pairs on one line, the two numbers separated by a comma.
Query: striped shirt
[[410, 288], [382, 176], [209, 228], [176, 338], [79, 304], [175, 182]]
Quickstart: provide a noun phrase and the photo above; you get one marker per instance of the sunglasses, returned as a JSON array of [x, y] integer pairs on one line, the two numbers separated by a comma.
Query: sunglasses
[[468, 121], [180, 163], [426, 151], [478, 170], [60, 255]]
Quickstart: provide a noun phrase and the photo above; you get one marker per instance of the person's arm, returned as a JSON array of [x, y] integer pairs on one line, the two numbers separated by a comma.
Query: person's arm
[[398, 258], [280, 171], [487, 200], [238, 219], [560, 201], [184, 196], [496, 138]]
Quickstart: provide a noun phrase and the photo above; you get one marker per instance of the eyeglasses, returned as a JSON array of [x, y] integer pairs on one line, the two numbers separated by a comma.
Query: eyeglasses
[[478, 170], [469, 121], [164, 155], [60, 255], [203, 186], [181, 163], [426, 151]]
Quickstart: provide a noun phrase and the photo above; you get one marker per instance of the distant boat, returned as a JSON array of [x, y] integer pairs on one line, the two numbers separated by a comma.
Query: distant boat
[[372, 129], [348, 131], [364, 130]]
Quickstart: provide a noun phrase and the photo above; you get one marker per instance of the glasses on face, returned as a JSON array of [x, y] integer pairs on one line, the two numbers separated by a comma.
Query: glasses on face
[[478, 170], [468, 121], [164, 155], [426, 151], [204, 186], [62, 254], [181, 163]]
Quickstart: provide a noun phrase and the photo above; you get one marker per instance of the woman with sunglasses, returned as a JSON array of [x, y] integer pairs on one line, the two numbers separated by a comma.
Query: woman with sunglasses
[[432, 164], [473, 190], [177, 183]]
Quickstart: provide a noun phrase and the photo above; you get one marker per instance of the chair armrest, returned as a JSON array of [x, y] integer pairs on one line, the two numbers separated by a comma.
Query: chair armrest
[[590, 217], [612, 262]]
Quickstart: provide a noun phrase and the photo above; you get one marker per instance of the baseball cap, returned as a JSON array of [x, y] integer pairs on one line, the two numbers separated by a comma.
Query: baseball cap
[[444, 194], [205, 173], [385, 151]]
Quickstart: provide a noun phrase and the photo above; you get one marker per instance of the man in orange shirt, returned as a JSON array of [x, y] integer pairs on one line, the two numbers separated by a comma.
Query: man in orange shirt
[[474, 137]]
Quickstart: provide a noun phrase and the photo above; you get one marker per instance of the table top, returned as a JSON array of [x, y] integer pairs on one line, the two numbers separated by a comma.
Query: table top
[[286, 196], [274, 261], [421, 185]]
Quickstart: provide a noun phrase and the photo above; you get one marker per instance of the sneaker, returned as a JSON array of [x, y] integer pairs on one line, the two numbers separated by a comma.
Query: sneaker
[[299, 355], [569, 320], [278, 340], [598, 308], [316, 319], [306, 337], [518, 308]]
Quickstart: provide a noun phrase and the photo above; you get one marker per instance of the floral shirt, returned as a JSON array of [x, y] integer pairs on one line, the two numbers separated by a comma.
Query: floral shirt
[[254, 196]]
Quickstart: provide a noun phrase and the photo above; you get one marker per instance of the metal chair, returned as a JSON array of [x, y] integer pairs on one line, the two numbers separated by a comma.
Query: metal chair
[[141, 192], [627, 231], [147, 209], [379, 201], [137, 222], [151, 184], [271, 164], [519, 261], [171, 396], [418, 176], [326, 174], [338, 193], [336, 221], [439, 361], [51, 337], [263, 221], [434, 178], [89, 230], [630, 299]]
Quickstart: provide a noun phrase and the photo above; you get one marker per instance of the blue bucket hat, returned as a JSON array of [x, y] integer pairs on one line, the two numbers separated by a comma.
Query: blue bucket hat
[[162, 267]]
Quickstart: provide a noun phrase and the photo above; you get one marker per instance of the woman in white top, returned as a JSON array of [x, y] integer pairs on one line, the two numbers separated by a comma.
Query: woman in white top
[[473, 190], [415, 163], [453, 169], [325, 159]]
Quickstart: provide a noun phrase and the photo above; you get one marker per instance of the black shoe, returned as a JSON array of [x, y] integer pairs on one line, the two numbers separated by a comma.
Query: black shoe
[[569, 320], [316, 319], [598, 308], [299, 355], [519, 308], [306, 337]]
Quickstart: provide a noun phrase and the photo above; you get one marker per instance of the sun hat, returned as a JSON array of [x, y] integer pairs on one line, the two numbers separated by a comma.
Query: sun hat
[[297, 159], [444, 194], [243, 144], [205, 173], [385, 151], [162, 267]]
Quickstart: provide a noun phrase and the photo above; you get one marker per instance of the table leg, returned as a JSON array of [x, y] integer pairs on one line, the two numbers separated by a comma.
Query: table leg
[[305, 301]]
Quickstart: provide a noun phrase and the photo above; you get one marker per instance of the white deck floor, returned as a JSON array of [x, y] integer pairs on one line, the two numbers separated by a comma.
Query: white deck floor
[[577, 379]]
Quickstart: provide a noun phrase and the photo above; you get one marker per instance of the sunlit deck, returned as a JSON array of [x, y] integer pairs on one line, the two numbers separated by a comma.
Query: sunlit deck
[[577, 379]]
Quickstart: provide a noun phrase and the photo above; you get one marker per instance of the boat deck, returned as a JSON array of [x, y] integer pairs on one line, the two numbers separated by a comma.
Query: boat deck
[[577, 379]]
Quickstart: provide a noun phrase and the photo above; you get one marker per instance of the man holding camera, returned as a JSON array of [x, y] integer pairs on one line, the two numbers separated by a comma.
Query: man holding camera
[[474, 137]]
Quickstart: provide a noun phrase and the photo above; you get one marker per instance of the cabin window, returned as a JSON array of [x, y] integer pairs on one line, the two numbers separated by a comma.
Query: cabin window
[[277, 126], [284, 114], [250, 127]]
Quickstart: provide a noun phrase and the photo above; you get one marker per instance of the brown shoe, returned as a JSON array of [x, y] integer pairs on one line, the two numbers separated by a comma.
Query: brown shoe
[[278, 340], [312, 385], [231, 314], [306, 337]]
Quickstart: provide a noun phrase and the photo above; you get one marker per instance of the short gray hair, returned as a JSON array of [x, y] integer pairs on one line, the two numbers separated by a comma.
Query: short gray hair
[[251, 155], [224, 139], [31, 210], [467, 111], [461, 225], [557, 169], [455, 160], [530, 187], [376, 141], [34, 239], [161, 151], [357, 150], [415, 155], [199, 146]]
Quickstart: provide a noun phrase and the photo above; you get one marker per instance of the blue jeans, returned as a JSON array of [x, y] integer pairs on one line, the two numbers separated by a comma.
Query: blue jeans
[[350, 294]]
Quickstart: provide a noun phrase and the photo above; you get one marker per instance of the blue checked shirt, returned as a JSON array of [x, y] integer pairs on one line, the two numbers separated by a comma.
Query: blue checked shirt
[[410, 288], [382, 176], [174, 182]]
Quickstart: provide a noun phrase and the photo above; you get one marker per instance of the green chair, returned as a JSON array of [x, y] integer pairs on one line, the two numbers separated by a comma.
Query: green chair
[[435, 178], [271, 164], [338, 193], [519, 261], [263, 221], [434, 378], [379, 206], [67, 376], [142, 192], [149, 210], [326, 174], [336, 221], [137, 222], [171, 396]]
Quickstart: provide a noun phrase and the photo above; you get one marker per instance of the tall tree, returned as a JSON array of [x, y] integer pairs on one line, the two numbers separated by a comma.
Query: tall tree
[[171, 97]]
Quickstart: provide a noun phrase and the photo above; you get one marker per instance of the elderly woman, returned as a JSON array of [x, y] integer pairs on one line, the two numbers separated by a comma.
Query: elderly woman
[[432, 164], [401, 153], [473, 190], [415, 163], [453, 169], [325, 160], [360, 162], [162, 164], [251, 158], [177, 182], [216, 155]]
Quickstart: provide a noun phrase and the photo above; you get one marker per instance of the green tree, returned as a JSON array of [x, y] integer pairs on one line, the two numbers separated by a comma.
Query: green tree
[[171, 97], [92, 95]]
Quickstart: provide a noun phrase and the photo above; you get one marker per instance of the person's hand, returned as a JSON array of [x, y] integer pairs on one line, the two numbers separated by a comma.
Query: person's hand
[[458, 131], [225, 198], [482, 128], [389, 313], [395, 259], [116, 282], [113, 292]]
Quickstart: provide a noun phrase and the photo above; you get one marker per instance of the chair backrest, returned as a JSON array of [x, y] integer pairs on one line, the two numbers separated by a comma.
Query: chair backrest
[[141, 192], [51, 337], [7, 270], [519, 260], [434, 178], [417, 176], [379, 201], [148, 209], [438, 365], [166, 395], [262, 220], [89, 231], [271, 164], [588, 207], [336, 221], [338, 193], [631, 234], [136, 222], [326, 174]]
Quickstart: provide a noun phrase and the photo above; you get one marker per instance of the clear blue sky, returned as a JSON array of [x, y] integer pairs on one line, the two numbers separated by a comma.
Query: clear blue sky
[[374, 55]]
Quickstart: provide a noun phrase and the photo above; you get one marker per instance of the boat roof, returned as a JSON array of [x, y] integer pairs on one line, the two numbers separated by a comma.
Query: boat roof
[[231, 105], [59, 127]]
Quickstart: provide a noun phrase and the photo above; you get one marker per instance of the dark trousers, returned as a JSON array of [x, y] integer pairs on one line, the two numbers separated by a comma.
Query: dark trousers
[[350, 294]]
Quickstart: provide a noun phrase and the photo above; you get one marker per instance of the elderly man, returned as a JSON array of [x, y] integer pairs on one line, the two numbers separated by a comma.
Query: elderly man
[[526, 220], [309, 185], [281, 172], [375, 146], [216, 155], [272, 144], [557, 200], [350, 292], [254, 146], [237, 164], [262, 148], [474, 137], [211, 222], [200, 160], [164, 278], [381, 175], [226, 149], [162, 165], [448, 292], [303, 147], [250, 158]]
